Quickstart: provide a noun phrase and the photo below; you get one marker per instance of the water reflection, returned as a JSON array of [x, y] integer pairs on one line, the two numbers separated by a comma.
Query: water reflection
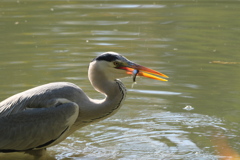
[[109, 6], [155, 92]]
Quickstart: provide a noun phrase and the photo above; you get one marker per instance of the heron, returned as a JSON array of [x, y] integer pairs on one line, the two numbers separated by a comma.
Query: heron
[[38, 118]]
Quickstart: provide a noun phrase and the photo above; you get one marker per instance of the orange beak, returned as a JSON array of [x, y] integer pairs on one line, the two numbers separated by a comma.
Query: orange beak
[[138, 70]]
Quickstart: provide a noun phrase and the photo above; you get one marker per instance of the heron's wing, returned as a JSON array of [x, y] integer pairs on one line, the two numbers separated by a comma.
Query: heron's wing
[[41, 97], [37, 127]]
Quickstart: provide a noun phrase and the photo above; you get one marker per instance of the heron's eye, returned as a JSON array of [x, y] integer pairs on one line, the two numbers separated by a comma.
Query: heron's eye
[[115, 63]]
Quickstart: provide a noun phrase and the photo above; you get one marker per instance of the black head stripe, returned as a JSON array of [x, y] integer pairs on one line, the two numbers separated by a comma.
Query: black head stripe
[[107, 57]]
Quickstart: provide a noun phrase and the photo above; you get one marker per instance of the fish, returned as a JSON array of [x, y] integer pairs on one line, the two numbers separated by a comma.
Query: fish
[[134, 73]]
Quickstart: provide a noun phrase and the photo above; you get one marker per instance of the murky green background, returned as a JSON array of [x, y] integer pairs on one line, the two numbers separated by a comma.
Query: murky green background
[[48, 41]]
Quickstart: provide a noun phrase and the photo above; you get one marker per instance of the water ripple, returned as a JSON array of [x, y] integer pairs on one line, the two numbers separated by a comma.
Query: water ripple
[[161, 135], [104, 23]]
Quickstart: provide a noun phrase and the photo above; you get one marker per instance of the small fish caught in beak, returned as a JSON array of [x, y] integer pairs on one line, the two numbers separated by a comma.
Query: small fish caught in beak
[[134, 73]]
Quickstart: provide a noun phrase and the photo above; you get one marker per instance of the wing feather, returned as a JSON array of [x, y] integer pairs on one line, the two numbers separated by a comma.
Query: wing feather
[[41, 97], [37, 127]]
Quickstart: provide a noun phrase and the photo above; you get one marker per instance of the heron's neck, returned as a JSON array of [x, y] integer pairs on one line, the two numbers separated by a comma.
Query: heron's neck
[[114, 92], [115, 95]]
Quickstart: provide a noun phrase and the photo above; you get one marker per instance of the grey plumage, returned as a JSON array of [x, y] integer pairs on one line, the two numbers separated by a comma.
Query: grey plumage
[[28, 115]]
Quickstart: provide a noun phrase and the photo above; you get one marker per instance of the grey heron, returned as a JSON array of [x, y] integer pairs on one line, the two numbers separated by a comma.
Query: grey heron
[[43, 116]]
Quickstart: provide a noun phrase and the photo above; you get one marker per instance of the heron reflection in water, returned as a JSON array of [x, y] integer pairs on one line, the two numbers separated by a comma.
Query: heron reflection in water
[[43, 116]]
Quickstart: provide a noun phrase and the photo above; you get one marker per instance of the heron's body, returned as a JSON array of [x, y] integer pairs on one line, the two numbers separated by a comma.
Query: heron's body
[[43, 116]]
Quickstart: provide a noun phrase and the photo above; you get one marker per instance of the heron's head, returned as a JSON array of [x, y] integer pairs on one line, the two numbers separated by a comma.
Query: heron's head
[[112, 65]]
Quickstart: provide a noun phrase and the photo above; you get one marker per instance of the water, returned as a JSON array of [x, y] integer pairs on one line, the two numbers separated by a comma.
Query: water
[[47, 41]]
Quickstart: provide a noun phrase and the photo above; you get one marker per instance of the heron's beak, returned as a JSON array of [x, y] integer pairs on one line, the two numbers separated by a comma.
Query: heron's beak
[[138, 70]]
